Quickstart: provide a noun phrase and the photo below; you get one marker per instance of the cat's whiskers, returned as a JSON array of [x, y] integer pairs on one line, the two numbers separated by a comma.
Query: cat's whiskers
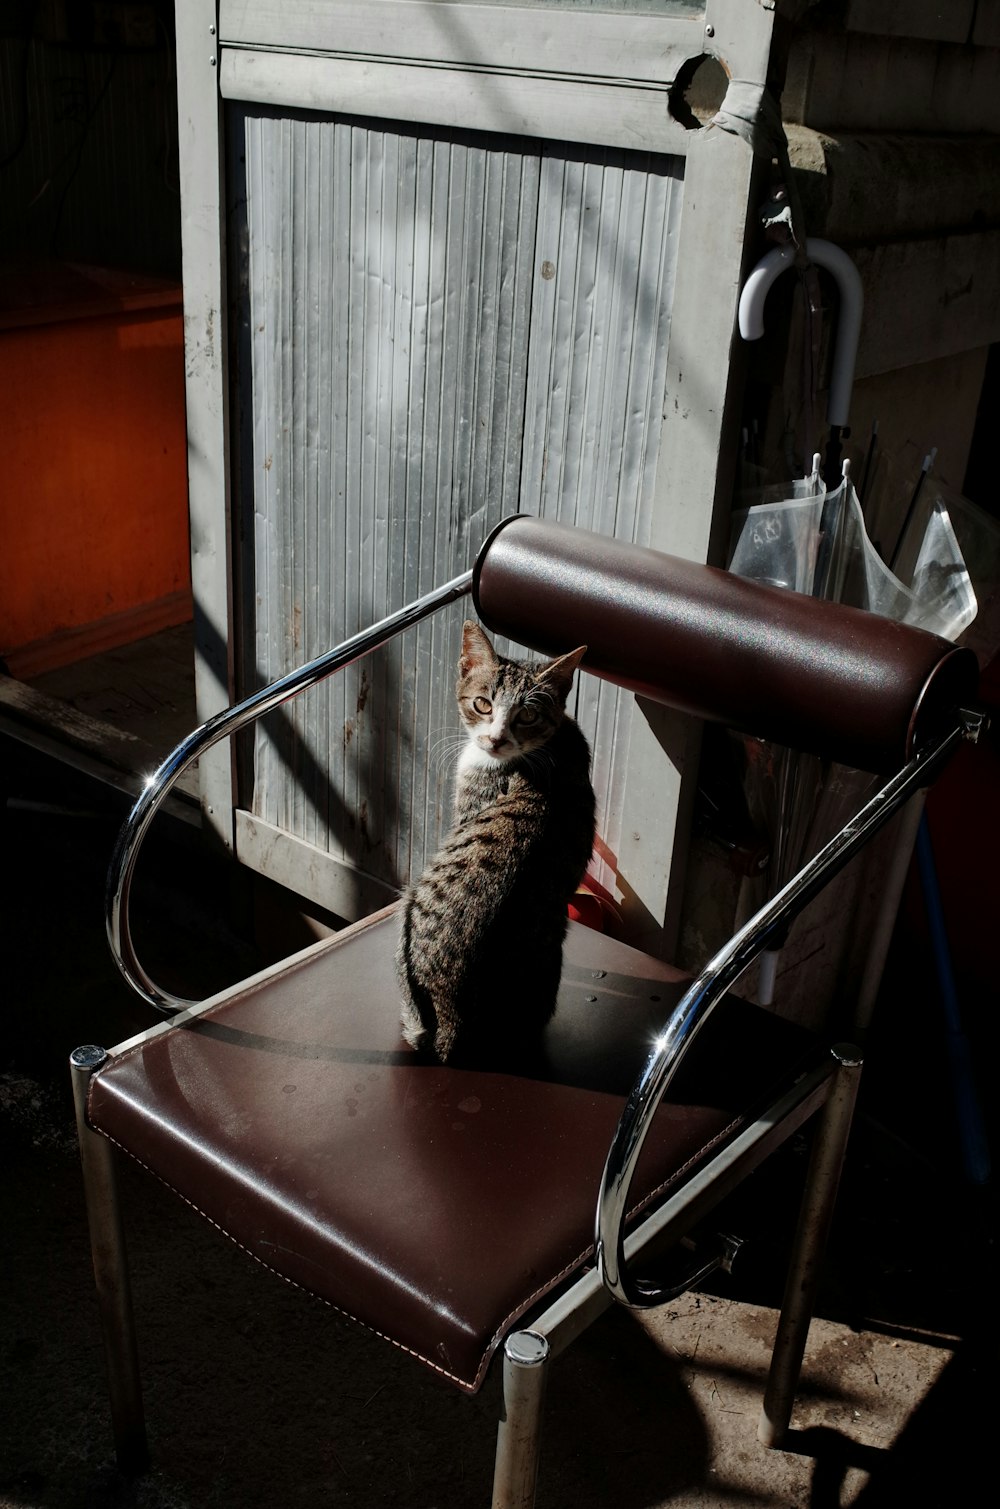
[[537, 696], [445, 750]]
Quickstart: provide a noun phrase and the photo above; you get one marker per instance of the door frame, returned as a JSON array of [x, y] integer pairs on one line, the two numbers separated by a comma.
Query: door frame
[[604, 78]]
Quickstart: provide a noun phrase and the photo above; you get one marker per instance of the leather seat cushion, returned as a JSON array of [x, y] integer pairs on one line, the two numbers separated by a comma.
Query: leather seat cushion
[[434, 1204]]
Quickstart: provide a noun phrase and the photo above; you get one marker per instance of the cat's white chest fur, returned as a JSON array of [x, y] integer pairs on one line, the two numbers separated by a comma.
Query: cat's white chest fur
[[473, 757]]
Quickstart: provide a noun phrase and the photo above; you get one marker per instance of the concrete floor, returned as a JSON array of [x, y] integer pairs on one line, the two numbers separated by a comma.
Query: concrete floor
[[256, 1396]]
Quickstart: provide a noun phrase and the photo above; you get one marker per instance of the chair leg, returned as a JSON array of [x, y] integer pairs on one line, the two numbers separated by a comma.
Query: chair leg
[[525, 1359], [810, 1242], [107, 1245]]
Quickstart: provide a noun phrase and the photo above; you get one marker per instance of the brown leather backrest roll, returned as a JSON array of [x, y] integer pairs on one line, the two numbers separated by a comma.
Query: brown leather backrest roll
[[804, 672]]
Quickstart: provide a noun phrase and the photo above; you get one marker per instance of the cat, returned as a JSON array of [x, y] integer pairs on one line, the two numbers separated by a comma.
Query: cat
[[480, 950]]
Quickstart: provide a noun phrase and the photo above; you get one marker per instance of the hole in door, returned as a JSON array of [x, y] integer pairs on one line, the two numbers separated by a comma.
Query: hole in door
[[697, 91]]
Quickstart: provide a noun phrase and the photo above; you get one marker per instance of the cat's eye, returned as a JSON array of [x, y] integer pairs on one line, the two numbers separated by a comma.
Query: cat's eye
[[527, 715], [482, 705]]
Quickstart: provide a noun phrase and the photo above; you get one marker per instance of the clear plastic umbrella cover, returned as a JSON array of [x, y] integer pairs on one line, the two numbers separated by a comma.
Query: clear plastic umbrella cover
[[816, 542], [813, 541]]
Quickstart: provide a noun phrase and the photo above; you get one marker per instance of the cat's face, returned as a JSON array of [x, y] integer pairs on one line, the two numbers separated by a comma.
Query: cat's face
[[510, 709]]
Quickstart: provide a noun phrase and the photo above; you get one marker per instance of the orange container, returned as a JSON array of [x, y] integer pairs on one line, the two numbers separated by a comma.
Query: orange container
[[93, 486]]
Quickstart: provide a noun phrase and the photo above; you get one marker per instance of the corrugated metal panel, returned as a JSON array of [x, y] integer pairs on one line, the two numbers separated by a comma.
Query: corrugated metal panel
[[419, 370], [607, 232], [389, 296]]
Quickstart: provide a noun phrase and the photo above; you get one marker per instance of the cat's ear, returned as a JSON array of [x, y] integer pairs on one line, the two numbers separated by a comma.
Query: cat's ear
[[559, 673], [477, 652]]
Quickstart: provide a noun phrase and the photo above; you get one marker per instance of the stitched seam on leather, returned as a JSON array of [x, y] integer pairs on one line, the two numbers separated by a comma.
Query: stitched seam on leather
[[545, 1288], [706, 1147], [500, 1332], [337, 1309], [519, 1310]]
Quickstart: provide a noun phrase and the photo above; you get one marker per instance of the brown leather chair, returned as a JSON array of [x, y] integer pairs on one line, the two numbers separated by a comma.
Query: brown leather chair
[[452, 1209]]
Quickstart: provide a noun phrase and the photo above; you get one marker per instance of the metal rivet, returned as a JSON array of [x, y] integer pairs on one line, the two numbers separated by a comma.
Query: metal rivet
[[212, 62], [590, 998], [599, 974], [211, 28], [710, 30]]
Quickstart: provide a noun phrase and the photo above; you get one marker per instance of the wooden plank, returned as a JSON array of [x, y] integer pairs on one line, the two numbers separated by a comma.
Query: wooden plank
[[855, 82], [145, 689], [986, 31], [609, 44], [622, 115], [854, 186], [99, 749], [35, 709], [928, 299], [84, 640], [931, 20], [339, 888], [51, 293], [205, 341]]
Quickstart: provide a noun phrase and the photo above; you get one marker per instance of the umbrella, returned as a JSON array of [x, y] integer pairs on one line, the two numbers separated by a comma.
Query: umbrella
[[815, 541]]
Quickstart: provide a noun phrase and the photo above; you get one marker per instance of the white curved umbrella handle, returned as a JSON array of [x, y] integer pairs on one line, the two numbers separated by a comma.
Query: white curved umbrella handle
[[848, 281]]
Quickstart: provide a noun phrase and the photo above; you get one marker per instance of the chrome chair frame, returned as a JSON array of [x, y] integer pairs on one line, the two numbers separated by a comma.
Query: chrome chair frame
[[529, 1348]]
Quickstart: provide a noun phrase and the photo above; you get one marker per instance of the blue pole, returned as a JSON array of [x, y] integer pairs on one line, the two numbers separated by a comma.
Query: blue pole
[[971, 1130]]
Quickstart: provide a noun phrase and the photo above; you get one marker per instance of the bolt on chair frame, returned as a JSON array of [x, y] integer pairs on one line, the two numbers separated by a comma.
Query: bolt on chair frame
[[831, 1088]]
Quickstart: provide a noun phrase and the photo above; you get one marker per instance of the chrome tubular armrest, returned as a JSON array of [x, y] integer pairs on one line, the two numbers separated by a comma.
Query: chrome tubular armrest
[[716, 978], [223, 725]]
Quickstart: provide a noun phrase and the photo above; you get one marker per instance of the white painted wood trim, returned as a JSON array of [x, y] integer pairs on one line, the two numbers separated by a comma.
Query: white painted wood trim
[[619, 115], [611, 45], [203, 253], [694, 472], [692, 480], [307, 870]]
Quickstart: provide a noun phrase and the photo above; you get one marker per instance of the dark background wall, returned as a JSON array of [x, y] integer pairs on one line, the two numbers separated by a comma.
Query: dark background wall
[[88, 133]]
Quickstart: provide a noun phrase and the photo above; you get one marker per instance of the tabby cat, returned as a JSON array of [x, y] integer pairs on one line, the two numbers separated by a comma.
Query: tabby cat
[[480, 950]]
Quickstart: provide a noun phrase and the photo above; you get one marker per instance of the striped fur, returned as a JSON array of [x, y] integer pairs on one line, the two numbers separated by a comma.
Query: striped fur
[[480, 951]]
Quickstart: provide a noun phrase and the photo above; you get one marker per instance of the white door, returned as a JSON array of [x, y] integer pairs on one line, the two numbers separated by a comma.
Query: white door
[[477, 267]]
